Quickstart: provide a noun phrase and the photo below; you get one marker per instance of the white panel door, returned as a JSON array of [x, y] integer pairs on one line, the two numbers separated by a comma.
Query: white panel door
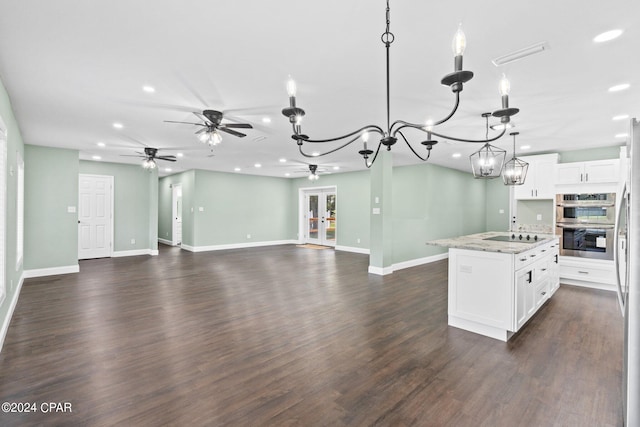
[[94, 216], [320, 217]]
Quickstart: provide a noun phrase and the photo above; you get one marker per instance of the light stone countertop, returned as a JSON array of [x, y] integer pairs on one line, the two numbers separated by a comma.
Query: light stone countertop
[[476, 242]]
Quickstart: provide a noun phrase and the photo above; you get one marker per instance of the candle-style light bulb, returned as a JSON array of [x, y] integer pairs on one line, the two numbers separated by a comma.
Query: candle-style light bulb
[[504, 86], [291, 87], [215, 138], [459, 42]]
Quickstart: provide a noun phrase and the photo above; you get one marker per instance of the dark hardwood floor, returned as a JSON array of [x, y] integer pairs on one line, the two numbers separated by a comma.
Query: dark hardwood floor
[[284, 336]]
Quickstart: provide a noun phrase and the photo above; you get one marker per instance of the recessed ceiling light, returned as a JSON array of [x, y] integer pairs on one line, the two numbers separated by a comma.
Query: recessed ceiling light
[[96, 157], [266, 120], [335, 168], [167, 169], [315, 154], [101, 144], [148, 89], [237, 169], [525, 147], [456, 155], [257, 165], [179, 155], [622, 135], [618, 88], [283, 160], [621, 117], [287, 174], [607, 35], [118, 125]]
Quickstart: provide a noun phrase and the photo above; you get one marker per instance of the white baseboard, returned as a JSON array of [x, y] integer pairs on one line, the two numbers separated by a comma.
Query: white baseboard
[[165, 241], [407, 264], [420, 261], [237, 245], [52, 271], [12, 306], [352, 249], [134, 252]]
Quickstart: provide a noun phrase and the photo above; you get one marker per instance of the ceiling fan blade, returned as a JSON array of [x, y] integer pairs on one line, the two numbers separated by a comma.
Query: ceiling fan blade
[[167, 158], [232, 132], [132, 155], [202, 117], [184, 123], [201, 130], [238, 125]]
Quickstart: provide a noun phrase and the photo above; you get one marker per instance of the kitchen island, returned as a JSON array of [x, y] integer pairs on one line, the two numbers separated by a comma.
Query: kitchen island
[[498, 280]]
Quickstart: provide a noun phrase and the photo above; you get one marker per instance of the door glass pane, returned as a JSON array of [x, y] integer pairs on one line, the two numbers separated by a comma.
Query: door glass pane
[[330, 216], [312, 213]]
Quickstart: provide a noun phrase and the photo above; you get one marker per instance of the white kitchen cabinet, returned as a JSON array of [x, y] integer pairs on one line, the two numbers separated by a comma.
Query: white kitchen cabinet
[[595, 172], [539, 182], [496, 293], [591, 273]]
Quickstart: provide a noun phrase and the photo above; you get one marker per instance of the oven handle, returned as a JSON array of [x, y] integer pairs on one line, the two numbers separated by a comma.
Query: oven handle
[[586, 205], [593, 226]]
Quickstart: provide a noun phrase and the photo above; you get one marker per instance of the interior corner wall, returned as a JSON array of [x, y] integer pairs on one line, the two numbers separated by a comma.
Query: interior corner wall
[[50, 188], [134, 216], [13, 273], [433, 202]]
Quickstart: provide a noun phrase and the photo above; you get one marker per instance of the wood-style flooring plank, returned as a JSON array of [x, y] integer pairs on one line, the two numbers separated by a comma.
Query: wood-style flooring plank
[[287, 336]]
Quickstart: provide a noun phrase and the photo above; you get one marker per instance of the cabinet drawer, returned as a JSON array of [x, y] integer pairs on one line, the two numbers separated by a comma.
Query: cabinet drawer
[[542, 292], [589, 274]]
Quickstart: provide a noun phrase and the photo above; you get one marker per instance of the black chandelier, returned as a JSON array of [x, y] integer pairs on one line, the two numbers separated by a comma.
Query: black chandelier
[[389, 135]]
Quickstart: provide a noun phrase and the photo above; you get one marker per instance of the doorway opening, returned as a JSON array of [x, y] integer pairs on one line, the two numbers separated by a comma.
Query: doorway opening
[[318, 216], [176, 215]]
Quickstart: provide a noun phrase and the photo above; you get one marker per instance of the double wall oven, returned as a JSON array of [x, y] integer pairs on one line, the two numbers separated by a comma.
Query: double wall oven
[[585, 224]]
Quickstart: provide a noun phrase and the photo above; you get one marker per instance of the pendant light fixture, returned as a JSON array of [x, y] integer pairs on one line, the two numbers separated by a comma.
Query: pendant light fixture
[[487, 162], [392, 131], [515, 170]]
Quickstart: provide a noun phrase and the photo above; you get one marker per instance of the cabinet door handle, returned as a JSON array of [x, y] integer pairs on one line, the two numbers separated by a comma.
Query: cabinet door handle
[[530, 273], [580, 177], [586, 177], [536, 193], [556, 259], [544, 269], [583, 272], [543, 293]]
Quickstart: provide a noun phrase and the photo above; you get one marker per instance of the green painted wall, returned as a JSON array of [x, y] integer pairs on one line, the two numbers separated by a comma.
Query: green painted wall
[[51, 186], [14, 145], [352, 208], [527, 211], [233, 206], [432, 202], [497, 199], [590, 154], [135, 204]]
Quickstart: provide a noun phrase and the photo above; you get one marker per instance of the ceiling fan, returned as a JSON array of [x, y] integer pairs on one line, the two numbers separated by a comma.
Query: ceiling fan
[[313, 171], [211, 124], [150, 155]]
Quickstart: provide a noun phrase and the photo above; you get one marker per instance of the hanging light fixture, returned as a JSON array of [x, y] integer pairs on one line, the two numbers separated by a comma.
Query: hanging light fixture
[[487, 162], [211, 137], [313, 176], [149, 164], [515, 170], [389, 135]]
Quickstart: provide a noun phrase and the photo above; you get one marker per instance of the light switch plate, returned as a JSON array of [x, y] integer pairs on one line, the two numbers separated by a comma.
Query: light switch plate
[[376, 211], [71, 209]]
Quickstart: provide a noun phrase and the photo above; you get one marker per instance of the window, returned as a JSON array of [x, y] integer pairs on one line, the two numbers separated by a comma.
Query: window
[[19, 211]]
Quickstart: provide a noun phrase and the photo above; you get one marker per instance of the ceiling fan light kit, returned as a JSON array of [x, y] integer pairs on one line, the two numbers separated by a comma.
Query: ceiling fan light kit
[[212, 125], [394, 131]]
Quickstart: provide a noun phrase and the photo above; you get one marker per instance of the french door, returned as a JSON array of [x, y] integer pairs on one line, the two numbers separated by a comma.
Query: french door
[[320, 221]]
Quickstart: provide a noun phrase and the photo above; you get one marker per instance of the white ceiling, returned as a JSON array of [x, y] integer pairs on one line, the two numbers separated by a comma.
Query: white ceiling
[[73, 68]]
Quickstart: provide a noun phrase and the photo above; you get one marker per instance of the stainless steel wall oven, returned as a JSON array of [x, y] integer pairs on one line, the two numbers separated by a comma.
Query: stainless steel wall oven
[[585, 224]]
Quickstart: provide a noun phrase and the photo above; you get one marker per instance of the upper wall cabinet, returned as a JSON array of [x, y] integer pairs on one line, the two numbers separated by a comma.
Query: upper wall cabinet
[[596, 172], [539, 183]]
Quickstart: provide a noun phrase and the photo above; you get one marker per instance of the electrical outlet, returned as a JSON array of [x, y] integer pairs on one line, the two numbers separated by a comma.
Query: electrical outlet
[[167, 234], [501, 211], [358, 240], [539, 217], [248, 236], [133, 241]]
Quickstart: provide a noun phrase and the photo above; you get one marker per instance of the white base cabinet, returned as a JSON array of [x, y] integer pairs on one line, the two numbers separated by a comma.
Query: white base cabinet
[[494, 293], [590, 273]]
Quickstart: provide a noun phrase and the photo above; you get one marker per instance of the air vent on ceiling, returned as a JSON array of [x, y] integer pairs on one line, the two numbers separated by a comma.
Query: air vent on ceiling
[[521, 53]]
